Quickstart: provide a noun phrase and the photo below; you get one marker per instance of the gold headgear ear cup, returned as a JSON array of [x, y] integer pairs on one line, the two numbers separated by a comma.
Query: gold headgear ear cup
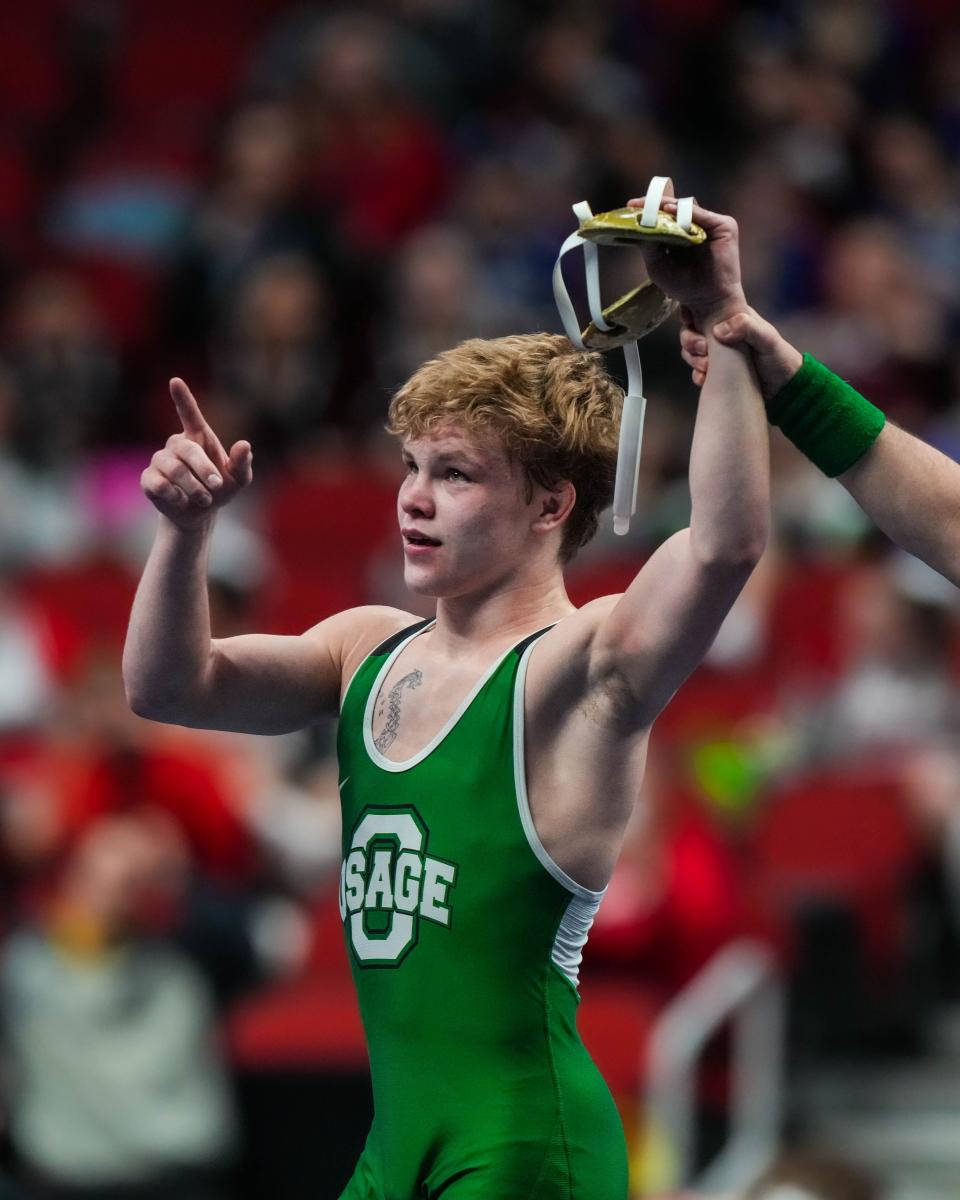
[[622, 227], [633, 316]]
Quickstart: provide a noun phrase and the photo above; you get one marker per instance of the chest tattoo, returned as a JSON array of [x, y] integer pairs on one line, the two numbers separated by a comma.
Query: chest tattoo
[[391, 704]]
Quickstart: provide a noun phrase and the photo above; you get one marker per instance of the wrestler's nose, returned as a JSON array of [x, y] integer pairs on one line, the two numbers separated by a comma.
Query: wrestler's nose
[[415, 496]]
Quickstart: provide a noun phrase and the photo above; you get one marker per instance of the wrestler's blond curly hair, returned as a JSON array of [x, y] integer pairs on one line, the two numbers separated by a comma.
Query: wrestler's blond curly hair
[[554, 408]]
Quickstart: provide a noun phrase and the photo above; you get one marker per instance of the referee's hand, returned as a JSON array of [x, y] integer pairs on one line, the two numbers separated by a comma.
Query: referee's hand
[[775, 360]]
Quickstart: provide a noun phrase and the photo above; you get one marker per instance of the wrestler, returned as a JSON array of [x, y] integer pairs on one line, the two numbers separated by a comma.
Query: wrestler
[[489, 757]]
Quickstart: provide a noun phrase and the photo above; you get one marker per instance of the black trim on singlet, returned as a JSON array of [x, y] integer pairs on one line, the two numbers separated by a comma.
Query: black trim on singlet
[[394, 640], [519, 649]]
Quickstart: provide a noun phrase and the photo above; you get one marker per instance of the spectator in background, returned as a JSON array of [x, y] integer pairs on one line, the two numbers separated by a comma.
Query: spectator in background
[[913, 185], [94, 759], [513, 215], [27, 682], [941, 89], [880, 324], [40, 521], [237, 811], [780, 255], [275, 357], [63, 370], [932, 787], [439, 298], [896, 692], [112, 762], [377, 162], [253, 207], [117, 1092]]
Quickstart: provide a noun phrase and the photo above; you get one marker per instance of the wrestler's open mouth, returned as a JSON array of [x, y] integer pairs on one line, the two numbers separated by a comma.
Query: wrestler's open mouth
[[414, 538], [419, 546]]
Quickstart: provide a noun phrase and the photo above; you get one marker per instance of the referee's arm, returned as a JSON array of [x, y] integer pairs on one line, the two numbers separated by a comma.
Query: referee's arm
[[908, 489], [912, 492]]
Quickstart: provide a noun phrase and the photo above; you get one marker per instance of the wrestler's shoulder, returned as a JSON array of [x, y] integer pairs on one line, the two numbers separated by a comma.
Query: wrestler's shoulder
[[564, 650], [366, 620], [580, 625], [353, 633]]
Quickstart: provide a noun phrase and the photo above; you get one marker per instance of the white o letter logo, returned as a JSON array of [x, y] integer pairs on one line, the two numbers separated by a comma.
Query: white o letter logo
[[366, 884]]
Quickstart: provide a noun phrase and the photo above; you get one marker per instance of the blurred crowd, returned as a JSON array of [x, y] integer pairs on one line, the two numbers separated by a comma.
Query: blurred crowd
[[292, 206]]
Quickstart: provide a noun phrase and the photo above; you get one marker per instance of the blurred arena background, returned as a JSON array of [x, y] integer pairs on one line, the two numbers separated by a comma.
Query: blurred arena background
[[292, 206]]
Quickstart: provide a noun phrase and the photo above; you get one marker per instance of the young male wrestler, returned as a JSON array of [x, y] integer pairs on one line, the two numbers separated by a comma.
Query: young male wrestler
[[490, 758], [907, 487]]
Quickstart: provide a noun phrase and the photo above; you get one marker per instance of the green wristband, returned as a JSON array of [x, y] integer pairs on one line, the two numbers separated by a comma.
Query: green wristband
[[825, 418]]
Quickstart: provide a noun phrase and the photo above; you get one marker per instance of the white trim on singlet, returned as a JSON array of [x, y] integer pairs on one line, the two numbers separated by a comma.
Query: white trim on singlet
[[363, 662], [567, 950], [381, 760], [356, 672]]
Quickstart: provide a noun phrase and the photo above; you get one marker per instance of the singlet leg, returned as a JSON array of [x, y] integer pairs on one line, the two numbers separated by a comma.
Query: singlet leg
[[363, 1183]]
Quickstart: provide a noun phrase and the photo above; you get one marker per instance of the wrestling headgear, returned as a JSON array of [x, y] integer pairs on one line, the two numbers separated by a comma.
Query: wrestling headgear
[[628, 319]]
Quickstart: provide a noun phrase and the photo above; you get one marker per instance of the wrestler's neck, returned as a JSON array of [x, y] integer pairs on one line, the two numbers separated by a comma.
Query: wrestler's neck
[[500, 614]]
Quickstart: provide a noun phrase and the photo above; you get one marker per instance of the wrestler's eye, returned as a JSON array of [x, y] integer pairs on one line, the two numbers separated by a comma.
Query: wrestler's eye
[[452, 472]]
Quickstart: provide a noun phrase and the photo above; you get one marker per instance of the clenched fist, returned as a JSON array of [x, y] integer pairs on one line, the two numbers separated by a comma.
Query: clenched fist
[[193, 476], [705, 279]]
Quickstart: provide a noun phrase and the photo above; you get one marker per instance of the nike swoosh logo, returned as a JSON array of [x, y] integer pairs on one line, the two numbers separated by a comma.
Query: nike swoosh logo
[[342, 782]]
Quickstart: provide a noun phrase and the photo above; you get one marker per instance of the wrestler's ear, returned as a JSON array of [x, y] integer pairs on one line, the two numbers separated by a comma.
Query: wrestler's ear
[[555, 505]]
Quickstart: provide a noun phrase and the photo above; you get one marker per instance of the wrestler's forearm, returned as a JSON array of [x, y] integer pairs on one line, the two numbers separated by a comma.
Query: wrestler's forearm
[[730, 463], [167, 649], [912, 492]]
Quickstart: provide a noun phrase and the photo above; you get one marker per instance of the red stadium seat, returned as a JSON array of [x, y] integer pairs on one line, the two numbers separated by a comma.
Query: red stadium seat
[[714, 701], [309, 1022], [331, 519], [91, 598], [323, 528], [32, 86], [314, 1020], [805, 640], [17, 192], [292, 603], [614, 1020], [181, 70], [124, 294], [839, 835], [605, 577]]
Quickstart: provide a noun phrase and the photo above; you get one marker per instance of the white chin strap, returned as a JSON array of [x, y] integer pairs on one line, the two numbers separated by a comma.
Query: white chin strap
[[634, 403]]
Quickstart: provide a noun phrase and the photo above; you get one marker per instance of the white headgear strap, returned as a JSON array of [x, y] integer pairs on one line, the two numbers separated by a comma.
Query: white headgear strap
[[634, 403]]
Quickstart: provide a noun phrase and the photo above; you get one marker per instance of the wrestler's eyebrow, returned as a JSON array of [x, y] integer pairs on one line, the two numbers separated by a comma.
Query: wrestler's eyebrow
[[461, 456], [445, 456]]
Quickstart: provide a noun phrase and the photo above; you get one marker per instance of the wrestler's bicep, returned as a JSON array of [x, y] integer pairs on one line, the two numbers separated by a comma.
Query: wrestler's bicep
[[273, 683]]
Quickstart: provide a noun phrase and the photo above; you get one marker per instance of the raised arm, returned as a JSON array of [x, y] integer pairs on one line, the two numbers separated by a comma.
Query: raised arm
[[173, 670], [665, 622], [909, 489]]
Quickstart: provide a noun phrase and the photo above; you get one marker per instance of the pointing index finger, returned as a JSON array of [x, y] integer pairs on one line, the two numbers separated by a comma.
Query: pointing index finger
[[188, 410]]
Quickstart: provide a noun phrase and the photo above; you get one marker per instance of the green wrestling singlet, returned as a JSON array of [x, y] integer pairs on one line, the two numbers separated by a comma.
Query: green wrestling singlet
[[465, 940]]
